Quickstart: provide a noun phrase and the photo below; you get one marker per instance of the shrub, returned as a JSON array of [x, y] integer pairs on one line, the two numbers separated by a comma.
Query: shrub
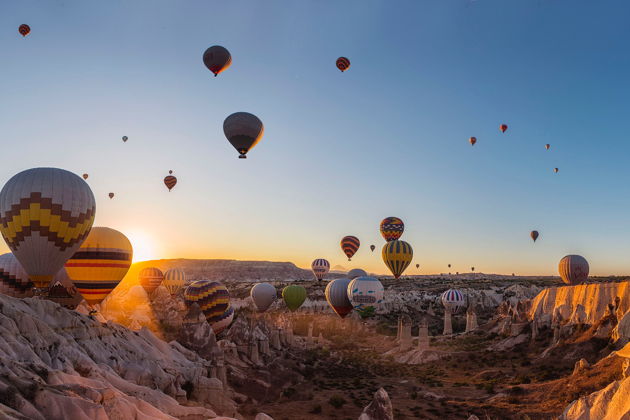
[[337, 401], [317, 409]]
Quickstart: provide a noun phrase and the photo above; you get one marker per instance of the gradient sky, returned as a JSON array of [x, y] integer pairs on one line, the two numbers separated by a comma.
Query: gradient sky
[[341, 151]]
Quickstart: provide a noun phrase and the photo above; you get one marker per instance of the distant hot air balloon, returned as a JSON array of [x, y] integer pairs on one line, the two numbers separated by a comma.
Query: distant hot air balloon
[[170, 181], [243, 130], [547, 146], [14, 280], [534, 235], [85, 176], [472, 141], [392, 228], [343, 64], [449, 266], [356, 272], [417, 265], [453, 300], [217, 59], [372, 247], [350, 245], [365, 294], [573, 269], [294, 296], [337, 296], [472, 268], [24, 29], [100, 263], [150, 278], [555, 170], [111, 195], [320, 268], [397, 256], [214, 300], [45, 215], [263, 295], [174, 280], [125, 138], [503, 127]]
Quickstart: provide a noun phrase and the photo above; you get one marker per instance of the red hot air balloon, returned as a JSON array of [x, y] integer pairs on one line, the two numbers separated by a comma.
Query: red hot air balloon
[[85, 176], [534, 235], [170, 181], [472, 141], [350, 245], [503, 128], [547, 146], [24, 29], [343, 64]]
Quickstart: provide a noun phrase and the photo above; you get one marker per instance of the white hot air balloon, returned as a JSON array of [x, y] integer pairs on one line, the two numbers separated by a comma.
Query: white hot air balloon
[[365, 294], [356, 272], [453, 300], [263, 295], [320, 268]]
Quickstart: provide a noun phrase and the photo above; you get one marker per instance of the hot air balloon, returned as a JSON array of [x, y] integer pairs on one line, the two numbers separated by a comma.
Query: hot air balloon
[[365, 294], [170, 181], [263, 295], [111, 195], [453, 300], [85, 176], [356, 272], [417, 265], [392, 228], [214, 300], [294, 296], [350, 245], [449, 266], [547, 146], [217, 59], [100, 263], [24, 29], [125, 138], [343, 64], [45, 215], [337, 296], [573, 269], [174, 280], [14, 280], [244, 131], [534, 235], [472, 268], [372, 247], [472, 141], [397, 256], [150, 279], [555, 170], [503, 127], [320, 268]]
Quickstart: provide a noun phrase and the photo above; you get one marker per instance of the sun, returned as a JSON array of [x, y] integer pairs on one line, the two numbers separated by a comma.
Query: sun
[[143, 246]]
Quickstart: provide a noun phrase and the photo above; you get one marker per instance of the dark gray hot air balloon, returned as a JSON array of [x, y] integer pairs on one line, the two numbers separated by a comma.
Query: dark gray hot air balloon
[[244, 131], [217, 59], [573, 269], [263, 295]]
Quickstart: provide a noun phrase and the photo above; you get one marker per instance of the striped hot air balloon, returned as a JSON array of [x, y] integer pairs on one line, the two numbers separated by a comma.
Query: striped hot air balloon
[[214, 300], [24, 29], [294, 296], [573, 269], [397, 256], [263, 295], [392, 228], [356, 272], [343, 64], [320, 268], [350, 245], [453, 300], [365, 294], [174, 280], [100, 264], [150, 279], [170, 181], [337, 296], [14, 280], [45, 215]]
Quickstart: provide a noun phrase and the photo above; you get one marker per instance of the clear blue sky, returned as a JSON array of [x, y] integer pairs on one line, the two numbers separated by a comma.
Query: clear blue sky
[[389, 137]]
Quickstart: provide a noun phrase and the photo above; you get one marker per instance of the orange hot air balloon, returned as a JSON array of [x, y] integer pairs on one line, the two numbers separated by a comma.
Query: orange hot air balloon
[[170, 181], [85, 176], [24, 29], [350, 245], [472, 141], [547, 146], [111, 195], [503, 128], [343, 64], [534, 235]]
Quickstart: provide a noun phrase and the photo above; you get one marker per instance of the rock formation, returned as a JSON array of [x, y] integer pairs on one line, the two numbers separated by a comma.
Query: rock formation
[[379, 409]]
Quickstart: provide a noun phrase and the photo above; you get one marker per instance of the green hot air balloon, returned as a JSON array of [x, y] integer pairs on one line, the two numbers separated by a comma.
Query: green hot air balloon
[[294, 296]]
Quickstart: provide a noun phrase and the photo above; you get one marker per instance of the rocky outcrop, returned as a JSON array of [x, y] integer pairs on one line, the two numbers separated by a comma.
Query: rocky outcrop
[[611, 403], [379, 409]]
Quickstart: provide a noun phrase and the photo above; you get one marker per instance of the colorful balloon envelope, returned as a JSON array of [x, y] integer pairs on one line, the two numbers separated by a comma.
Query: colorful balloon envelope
[[170, 181], [350, 245], [14, 280], [397, 256], [263, 295], [243, 130], [503, 128], [356, 272], [174, 280], [337, 296], [45, 215], [214, 300], [320, 268], [217, 59], [392, 228], [472, 141], [573, 269], [534, 235], [343, 64], [365, 294], [100, 263], [150, 279], [24, 29], [294, 296], [453, 300]]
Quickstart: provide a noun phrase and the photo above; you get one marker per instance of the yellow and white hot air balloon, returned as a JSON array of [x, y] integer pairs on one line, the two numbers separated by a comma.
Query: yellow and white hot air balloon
[[45, 215], [100, 264], [174, 280]]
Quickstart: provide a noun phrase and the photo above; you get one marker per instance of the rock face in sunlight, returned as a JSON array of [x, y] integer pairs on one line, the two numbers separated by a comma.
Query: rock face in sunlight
[[59, 364], [380, 408]]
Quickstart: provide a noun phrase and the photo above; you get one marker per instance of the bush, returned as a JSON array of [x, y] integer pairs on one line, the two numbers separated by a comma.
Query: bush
[[337, 401], [289, 392], [317, 409]]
